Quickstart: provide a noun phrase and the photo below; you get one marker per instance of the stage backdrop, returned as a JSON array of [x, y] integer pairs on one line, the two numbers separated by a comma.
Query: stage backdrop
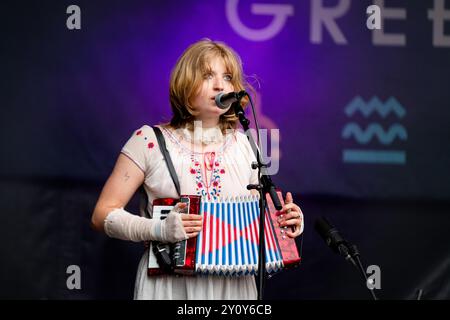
[[362, 117]]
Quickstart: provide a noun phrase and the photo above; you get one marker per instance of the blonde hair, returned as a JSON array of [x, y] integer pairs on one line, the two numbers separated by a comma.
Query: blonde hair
[[187, 77]]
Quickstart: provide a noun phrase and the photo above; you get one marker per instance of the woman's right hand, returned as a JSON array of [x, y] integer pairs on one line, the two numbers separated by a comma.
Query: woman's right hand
[[192, 223], [180, 226]]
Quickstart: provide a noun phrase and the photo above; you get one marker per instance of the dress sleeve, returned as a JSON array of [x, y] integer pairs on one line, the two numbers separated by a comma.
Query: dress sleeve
[[140, 146]]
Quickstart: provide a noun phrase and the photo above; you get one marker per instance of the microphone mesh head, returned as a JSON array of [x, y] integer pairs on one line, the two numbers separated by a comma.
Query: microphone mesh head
[[218, 103], [323, 227]]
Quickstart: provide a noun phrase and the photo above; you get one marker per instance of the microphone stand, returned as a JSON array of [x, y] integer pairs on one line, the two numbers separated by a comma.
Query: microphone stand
[[354, 252], [265, 186]]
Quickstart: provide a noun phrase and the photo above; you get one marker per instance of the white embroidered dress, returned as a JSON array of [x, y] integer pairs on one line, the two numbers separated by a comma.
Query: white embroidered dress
[[223, 170]]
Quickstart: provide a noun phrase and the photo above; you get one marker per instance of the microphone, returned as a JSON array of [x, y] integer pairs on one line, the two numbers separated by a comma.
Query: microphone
[[333, 238], [224, 100], [336, 242]]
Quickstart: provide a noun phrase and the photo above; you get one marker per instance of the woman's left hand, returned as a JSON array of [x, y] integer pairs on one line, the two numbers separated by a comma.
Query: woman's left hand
[[291, 216]]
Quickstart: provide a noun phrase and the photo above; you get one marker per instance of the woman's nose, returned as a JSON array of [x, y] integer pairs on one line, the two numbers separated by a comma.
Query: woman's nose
[[218, 84]]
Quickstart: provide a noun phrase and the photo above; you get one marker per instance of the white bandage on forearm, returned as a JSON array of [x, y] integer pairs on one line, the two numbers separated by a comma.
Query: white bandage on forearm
[[123, 225]]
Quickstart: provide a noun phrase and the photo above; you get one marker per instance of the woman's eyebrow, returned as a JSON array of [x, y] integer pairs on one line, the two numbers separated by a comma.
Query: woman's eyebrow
[[214, 73]]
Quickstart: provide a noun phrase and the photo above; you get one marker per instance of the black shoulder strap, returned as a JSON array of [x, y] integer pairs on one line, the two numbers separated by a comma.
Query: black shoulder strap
[[165, 152]]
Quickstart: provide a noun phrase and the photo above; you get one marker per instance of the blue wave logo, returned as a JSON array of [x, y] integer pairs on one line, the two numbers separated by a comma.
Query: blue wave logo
[[374, 129], [375, 105]]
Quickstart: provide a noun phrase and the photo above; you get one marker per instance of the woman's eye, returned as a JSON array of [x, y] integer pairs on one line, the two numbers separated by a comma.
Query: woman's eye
[[228, 77], [208, 76]]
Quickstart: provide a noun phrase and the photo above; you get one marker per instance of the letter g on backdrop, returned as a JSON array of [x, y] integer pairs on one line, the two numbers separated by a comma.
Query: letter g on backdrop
[[280, 13]]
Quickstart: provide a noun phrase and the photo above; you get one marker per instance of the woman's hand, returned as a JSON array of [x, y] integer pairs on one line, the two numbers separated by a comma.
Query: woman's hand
[[291, 216], [192, 223]]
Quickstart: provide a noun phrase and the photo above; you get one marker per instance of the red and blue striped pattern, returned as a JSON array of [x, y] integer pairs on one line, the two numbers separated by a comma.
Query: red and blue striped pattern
[[228, 243]]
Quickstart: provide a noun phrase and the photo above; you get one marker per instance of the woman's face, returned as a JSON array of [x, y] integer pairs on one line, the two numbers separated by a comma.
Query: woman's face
[[215, 81]]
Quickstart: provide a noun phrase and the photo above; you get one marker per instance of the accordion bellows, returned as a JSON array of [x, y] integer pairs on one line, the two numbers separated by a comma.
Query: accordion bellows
[[229, 241]]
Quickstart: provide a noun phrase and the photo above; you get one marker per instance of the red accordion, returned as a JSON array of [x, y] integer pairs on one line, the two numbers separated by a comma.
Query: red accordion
[[229, 240]]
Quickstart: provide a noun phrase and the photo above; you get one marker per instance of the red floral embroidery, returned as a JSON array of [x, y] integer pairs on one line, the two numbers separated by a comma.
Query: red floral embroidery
[[207, 172], [151, 145], [139, 132]]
